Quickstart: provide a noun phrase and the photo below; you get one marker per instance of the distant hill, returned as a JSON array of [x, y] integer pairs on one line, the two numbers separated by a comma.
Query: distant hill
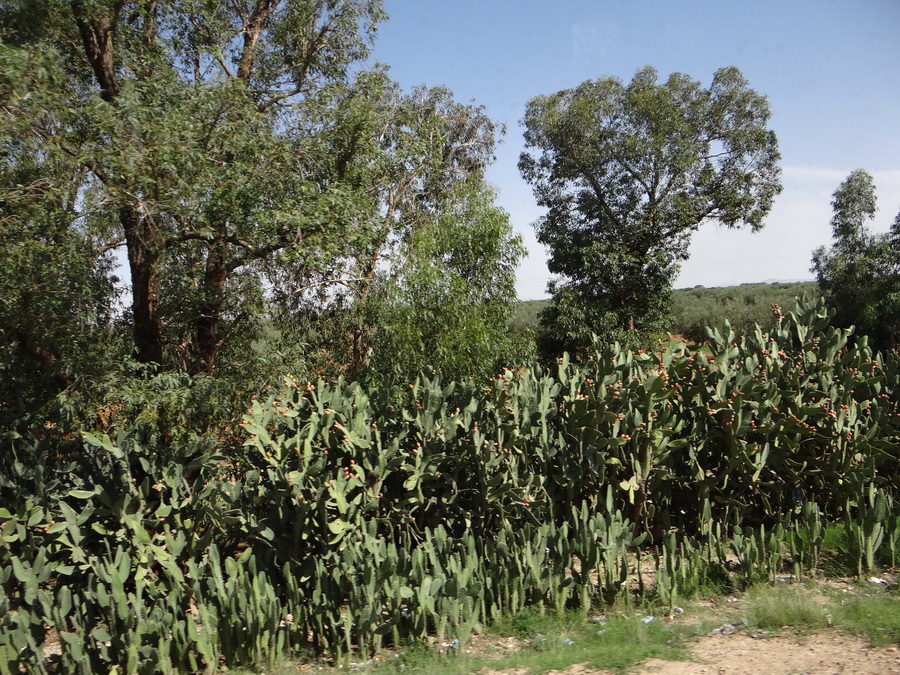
[[695, 308]]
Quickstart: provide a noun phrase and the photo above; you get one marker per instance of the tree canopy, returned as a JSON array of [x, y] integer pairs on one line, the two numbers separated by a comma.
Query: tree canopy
[[249, 168], [199, 136], [627, 173], [860, 274]]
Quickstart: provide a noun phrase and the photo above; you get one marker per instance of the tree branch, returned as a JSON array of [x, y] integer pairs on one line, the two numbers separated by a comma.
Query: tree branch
[[108, 247], [97, 40], [252, 30], [595, 186]]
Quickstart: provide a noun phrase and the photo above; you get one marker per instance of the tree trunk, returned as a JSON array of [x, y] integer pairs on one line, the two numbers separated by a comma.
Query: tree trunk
[[361, 351], [144, 242], [142, 237], [43, 356], [206, 325]]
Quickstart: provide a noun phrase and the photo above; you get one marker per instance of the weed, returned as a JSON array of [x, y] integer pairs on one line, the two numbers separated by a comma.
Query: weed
[[877, 617], [772, 607], [835, 539]]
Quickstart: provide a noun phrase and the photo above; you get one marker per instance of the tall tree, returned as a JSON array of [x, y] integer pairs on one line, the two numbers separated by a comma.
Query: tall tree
[[429, 177], [447, 298], [419, 159], [860, 274], [194, 133], [56, 283], [627, 173]]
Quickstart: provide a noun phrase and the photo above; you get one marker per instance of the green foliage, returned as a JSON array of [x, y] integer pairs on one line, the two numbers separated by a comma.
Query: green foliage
[[773, 607], [619, 644], [693, 309], [56, 292], [627, 174], [877, 617], [346, 518], [451, 306], [204, 154], [865, 525], [526, 315], [744, 307], [860, 274], [261, 187]]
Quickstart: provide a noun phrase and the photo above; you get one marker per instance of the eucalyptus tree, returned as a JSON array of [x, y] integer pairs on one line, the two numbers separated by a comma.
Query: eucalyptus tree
[[435, 211], [415, 162], [627, 173], [447, 299], [860, 274], [195, 135]]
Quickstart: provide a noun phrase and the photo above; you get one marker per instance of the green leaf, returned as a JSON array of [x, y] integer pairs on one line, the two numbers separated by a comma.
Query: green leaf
[[100, 634], [339, 526]]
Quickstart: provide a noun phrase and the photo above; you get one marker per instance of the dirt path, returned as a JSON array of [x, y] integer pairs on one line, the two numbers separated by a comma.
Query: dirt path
[[828, 653], [820, 654]]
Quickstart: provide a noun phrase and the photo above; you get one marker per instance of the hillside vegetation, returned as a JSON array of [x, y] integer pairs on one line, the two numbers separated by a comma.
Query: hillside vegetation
[[743, 306], [695, 308]]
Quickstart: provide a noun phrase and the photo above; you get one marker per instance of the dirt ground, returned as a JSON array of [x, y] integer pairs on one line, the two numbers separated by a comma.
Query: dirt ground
[[820, 654], [827, 653]]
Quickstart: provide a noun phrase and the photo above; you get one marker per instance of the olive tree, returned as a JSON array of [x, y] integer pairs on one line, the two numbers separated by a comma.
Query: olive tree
[[627, 173]]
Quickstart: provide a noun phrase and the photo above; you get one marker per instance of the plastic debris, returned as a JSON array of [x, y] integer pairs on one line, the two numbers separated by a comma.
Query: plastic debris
[[724, 629], [603, 632], [677, 610], [599, 619], [451, 645], [568, 641], [648, 619], [877, 580]]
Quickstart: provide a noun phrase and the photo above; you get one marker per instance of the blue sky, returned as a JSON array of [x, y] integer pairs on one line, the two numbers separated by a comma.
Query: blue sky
[[830, 68]]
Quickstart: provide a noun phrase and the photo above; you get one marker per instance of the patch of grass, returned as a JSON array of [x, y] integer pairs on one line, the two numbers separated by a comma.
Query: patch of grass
[[772, 607], [876, 617], [420, 658], [836, 560], [621, 639], [525, 624], [617, 644], [551, 642], [835, 539]]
